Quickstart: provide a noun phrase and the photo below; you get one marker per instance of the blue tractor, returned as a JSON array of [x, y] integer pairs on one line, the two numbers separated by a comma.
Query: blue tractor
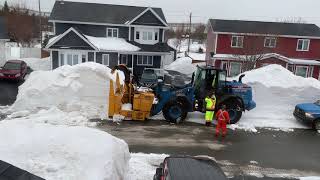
[[175, 100]]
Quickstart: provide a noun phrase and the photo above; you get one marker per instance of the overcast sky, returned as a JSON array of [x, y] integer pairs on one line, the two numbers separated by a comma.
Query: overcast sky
[[178, 10]]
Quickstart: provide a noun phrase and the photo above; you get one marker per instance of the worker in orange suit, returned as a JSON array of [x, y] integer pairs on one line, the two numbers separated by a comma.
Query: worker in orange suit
[[223, 118]]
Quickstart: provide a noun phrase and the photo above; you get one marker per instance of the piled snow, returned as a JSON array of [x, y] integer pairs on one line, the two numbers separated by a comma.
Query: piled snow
[[112, 44], [277, 76], [82, 89], [62, 152], [38, 64], [310, 178], [183, 65], [143, 166], [277, 91], [197, 56], [182, 46]]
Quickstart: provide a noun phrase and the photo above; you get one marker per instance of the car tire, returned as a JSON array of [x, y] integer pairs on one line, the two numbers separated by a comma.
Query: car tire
[[174, 112], [233, 110], [316, 125]]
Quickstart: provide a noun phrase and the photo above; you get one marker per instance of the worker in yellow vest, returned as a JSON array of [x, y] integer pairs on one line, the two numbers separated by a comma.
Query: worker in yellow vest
[[210, 107]]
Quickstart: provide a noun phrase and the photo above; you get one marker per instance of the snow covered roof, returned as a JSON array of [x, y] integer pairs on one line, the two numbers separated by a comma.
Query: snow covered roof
[[112, 44], [269, 55]]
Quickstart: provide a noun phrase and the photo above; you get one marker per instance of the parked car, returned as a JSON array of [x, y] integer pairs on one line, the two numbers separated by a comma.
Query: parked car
[[149, 78], [189, 168], [308, 113], [14, 70]]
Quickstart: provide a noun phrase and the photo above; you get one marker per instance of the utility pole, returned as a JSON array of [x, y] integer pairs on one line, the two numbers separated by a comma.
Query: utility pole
[[40, 23], [189, 42]]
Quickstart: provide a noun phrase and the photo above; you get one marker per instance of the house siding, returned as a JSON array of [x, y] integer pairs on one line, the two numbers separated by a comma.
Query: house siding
[[148, 18], [284, 46], [92, 30], [113, 58], [55, 59], [72, 41]]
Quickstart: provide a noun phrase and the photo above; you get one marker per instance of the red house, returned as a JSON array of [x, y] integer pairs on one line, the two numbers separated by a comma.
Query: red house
[[231, 44]]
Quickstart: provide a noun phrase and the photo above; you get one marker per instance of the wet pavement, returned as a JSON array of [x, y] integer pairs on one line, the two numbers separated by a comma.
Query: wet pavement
[[8, 92]]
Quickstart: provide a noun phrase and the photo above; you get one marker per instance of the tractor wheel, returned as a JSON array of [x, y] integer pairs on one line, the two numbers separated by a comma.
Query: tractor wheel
[[174, 112], [234, 109]]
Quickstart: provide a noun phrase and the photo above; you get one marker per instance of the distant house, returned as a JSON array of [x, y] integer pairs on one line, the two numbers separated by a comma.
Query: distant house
[[294, 46], [110, 35]]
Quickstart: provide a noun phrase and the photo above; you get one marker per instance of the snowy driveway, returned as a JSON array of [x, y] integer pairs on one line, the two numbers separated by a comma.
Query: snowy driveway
[[289, 151]]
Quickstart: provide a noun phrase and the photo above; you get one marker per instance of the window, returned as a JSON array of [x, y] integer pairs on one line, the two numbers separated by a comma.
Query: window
[[270, 42], [71, 58], [112, 32], [124, 59], [61, 59], [303, 44], [224, 65], [235, 69], [302, 71], [84, 58], [105, 59], [290, 67], [147, 36], [145, 60], [137, 35], [156, 34], [237, 41]]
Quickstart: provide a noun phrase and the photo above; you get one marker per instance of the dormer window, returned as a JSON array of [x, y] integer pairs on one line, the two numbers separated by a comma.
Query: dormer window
[[112, 32], [303, 44], [146, 35]]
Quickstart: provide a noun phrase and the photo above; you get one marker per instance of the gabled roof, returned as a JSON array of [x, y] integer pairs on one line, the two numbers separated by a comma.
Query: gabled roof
[[3, 28], [265, 28], [98, 13]]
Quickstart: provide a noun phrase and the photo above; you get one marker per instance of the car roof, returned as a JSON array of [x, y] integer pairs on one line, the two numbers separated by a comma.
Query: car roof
[[15, 61], [190, 168]]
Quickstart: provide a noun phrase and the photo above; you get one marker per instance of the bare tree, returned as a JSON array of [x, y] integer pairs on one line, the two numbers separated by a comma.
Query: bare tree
[[199, 33]]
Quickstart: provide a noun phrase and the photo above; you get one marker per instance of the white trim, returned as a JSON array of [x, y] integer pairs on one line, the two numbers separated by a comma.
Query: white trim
[[95, 57], [54, 28], [311, 69], [270, 38], [295, 72], [303, 41], [142, 64], [129, 33], [152, 11], [112, 32], [319, 76], [224, 62], [146, 26], [65, 33], [163, 33], [237, 46], [51, 59], [216, 43], [103, 60], [277, 35]]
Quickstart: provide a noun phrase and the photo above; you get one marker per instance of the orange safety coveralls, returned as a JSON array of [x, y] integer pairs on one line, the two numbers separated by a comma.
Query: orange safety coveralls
[[222, 118]]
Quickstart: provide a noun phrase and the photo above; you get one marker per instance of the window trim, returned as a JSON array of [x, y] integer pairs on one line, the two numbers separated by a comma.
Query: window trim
[[72, 53], [270, 38], [127, 57], [102, 59], [237, 36], [303, 40], [142, 64], [296, 69], [240, 67], [222, 63], [112, 32]]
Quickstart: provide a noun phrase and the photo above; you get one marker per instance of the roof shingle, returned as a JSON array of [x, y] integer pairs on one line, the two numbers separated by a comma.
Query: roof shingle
[[258, 27]]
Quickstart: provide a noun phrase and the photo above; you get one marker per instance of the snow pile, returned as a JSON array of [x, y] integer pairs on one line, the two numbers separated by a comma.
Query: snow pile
[[277, 76], [182, 46], [183, 65], [112, 44], [277, 91], [143, 166], [82, 89], [310, 178], [62, 152], [38, 64]]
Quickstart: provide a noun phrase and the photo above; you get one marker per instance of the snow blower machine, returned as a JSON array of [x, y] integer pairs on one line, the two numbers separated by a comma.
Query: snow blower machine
[[175, 98]]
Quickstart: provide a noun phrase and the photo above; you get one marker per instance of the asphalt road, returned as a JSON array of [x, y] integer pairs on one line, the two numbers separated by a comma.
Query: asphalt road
[[8, 92], [275, 152]]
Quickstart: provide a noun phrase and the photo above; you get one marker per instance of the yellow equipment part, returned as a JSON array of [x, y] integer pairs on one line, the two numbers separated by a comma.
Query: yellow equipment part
[[119, 95]]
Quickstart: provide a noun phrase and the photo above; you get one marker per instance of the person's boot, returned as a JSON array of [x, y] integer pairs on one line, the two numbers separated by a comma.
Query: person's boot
[[208, 123]]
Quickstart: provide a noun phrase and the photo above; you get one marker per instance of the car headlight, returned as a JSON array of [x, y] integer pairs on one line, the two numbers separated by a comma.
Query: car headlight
[[309, 115], [17, 75]]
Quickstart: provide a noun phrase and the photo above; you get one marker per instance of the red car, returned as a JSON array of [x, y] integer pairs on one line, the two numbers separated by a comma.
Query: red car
[[14, 70]]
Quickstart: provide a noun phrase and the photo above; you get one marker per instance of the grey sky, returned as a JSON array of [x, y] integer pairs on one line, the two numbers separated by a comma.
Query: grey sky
[[178, 10]]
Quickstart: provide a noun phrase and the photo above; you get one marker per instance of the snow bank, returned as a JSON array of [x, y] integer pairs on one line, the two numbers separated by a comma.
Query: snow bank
[[183, 65], [62, 152], [81, 89], [277, 76], [143, 166], [38, 64], [310, 178], [112, 44], [182, 46]]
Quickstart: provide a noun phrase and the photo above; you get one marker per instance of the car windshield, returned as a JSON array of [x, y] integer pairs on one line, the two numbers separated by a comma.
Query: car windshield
[[12, 66], [149, 76], [317, 102]]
